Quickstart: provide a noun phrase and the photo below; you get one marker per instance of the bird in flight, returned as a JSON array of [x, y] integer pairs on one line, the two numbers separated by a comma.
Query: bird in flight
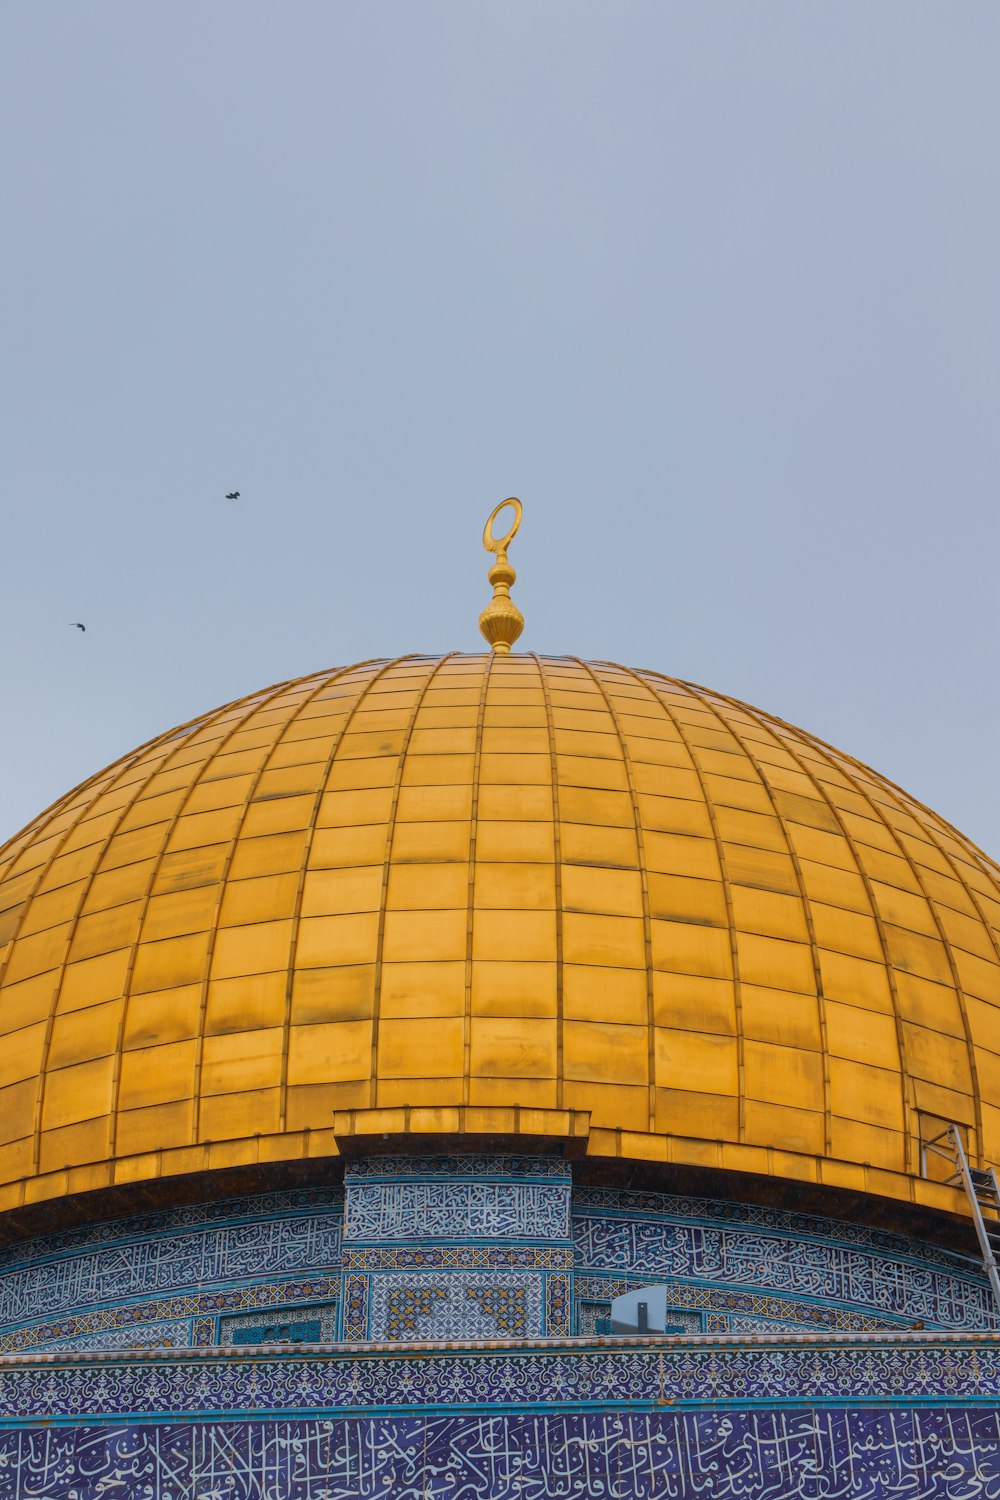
[[234, 496], [78, 625]]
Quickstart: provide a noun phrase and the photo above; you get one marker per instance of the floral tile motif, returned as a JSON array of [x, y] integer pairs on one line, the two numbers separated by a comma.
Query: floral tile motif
[[842, 1372]]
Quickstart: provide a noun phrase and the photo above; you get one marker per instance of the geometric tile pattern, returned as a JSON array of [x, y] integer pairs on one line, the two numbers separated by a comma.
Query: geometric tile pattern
[[927, 1454], [691, 1371], [419, 1233], [455, 1306], [459, 1257]]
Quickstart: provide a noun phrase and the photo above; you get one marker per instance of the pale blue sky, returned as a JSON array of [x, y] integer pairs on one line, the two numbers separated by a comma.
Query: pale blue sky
[[714, 287]]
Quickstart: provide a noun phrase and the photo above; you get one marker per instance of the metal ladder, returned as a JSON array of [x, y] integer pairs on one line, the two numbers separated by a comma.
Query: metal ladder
[[981, 1189]]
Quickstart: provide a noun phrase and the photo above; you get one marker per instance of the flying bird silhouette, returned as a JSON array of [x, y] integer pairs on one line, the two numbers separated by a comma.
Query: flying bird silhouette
[[78, 625], [234, 496]]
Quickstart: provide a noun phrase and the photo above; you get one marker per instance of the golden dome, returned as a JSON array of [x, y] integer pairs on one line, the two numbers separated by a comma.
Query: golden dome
[[494, 894]]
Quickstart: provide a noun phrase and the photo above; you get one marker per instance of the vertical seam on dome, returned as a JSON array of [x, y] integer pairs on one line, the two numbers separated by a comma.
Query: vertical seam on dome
[[952, 965], [647, 930], [909, 1106], [557, 858], [741, 1102], [43, 1069], [293, 942], [43, 821], [703, 697], [982, 860], [991, 935], [30, 834], [259, 701], [473, 833], [47, 864], [386, 864]]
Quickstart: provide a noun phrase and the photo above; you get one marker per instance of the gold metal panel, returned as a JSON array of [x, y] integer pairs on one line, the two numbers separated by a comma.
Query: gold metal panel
[[409, 936], [861, 1092], [324, 942], [617, 1106], [95, 979], [420, 1048], [790, 1020], [694, 1002], [128, 883], [775, 963], [244, 1115], [592, 888], [175, 915], [81, 1035], [784, 1075], [241, 1060], [340, 994], [769, 913], [701, 1062], [157, 1075], [22, 1054], [251, 950], [531, 936], [359, 806], [513, 989], [38, 954], [422, 989], [77, 1093], [687, 948], [272, 915], [592, 993], [864, 1035], [509, 885], [250, 1002], [337, 892], [420, 887], [267, 856], [51, 910], [615, 941], [186, 870], [337, 848], [512, 804], [590, 843], [513, 1047], [846, 931], [428, 842], [605, 1053], [162, 1016]]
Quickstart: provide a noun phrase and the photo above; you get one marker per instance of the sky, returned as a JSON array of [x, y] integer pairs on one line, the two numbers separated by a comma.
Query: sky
[[713, 287]]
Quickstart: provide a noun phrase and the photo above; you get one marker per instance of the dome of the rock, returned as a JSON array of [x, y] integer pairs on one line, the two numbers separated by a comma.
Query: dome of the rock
[[510, 897]]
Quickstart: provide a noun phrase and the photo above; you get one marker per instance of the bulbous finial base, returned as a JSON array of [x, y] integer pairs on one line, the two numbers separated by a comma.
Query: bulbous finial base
[[501, 622]]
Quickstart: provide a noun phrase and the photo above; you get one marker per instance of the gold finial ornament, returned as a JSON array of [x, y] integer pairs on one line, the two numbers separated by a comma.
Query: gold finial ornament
[[501, 622]]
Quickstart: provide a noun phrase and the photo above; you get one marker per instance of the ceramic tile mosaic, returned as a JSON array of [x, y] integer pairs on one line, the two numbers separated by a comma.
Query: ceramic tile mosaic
[[927, 1454], [807, 1261], [456, 1306], [323, 1314], [838, 1370], [462, 1198]]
